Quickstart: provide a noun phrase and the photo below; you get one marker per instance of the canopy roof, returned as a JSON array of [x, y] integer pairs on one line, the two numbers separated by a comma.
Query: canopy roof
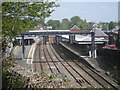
[[99, 33], [75, 28]]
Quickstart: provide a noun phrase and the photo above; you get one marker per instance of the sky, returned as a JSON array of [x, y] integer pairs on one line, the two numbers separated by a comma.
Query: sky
[[91, 11]]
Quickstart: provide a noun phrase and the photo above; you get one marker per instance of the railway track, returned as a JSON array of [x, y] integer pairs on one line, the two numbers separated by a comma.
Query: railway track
[[80, 75], [45, 63], [101, 80], [69, 71], [97, 77], [60, 65], [41, 67], [76, 75], [36, 65]]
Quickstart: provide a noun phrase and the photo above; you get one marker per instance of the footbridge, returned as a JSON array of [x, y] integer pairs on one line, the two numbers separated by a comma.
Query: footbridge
[[58, 37]]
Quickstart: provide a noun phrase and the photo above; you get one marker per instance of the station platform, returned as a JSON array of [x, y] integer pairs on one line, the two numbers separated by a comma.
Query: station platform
[[17, 54], [90, 61]]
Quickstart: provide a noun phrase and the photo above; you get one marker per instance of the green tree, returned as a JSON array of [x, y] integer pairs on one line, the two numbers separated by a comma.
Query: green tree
[[57, 24], [90, 27], [21, 16], [50, 22], [83, 25], [111, 25], [105, 26], [66, 24], [75, 19], [54, 23]]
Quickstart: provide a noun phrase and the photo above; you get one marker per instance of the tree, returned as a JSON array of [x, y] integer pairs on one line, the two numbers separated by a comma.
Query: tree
[[54, 23], [21, 16], [50, 22], [57, 24], [111, 25], [66, 24], [74, 20], [84, 25], [105, 26]]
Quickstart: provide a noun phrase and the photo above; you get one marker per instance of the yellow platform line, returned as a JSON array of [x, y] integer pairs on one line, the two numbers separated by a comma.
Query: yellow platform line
[[29, 54]]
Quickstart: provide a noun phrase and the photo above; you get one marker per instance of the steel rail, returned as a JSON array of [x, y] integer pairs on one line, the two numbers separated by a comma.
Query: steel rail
[[47, 60], [50, 56], [99, 76], [40, 58], [50, 46]]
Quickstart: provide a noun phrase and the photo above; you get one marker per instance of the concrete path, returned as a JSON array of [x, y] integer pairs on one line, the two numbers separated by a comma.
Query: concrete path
[[18, 56], [29, 52], [18, 52]]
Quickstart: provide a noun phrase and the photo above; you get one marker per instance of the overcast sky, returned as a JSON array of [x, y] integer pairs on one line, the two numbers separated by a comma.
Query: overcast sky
[[91, 11]]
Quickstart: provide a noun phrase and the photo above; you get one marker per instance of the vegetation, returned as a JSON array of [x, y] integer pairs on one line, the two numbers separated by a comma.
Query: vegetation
[[75, 19], [17, 77], [54, 23], [65, 24], [111, 25], [21, 16], [10, 80], [82, 24], [18, 17]]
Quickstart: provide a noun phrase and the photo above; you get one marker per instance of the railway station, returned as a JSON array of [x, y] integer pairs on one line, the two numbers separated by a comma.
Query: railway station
[[60, 52], [60, 44]]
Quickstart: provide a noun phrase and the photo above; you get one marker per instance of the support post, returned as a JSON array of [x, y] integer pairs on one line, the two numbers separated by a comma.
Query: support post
[[71, 38], [20, 42], [58, 39], [23, 48], [47, 38], [28, 42], [93, 44], [44, 39]]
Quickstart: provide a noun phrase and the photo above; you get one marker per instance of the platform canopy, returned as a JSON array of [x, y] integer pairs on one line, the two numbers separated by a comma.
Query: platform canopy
[[99, 33], [55, 33], [75, 28]]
